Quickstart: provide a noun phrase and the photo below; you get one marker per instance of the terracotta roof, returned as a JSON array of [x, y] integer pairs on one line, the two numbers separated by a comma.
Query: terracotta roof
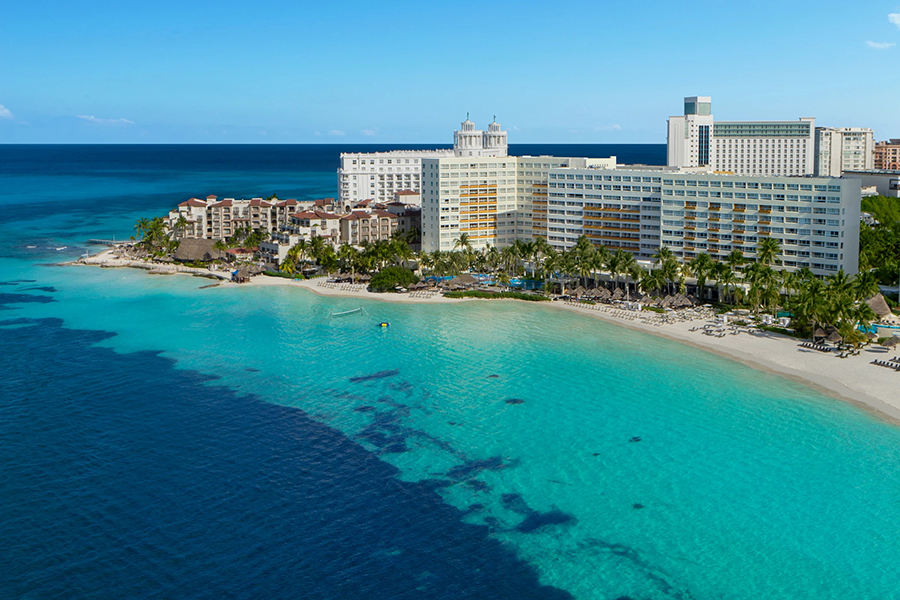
[[260, 202], [287, 203], [304, 215], [211, 197], [325, 215], [222, 203], [193, 202], [407, 193], [324, 201]]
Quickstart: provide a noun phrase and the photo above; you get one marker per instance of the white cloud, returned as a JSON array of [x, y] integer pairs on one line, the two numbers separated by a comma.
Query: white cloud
[[894, 18], [881, 45], [336, 132], [93, 119], [4, 113], [608, 128], [369, 132]]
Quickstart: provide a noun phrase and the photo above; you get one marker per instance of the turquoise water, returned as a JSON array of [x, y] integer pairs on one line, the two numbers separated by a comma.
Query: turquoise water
[[742, 484], [751, 485]]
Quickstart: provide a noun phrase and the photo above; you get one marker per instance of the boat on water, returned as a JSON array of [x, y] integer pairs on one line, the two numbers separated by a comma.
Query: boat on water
[[348, 312]]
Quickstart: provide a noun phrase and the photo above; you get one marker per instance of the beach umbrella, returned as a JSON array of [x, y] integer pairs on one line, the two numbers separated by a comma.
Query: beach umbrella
[[579, 291], [618, 294], [871, 336], [834, 337], [891, 342], [819, 333]]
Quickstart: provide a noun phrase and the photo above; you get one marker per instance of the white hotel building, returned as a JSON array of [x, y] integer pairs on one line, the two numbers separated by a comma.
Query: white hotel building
[[844, 149], [379, 175], [494, 200], [814, 219], [741, 147]]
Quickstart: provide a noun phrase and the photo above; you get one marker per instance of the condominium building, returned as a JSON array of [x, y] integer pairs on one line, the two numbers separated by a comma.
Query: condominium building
[[887, 155], [843, 149], [741, 147], [219, 219], [379, 175], [493, 200], [363, 227], [814, 219]]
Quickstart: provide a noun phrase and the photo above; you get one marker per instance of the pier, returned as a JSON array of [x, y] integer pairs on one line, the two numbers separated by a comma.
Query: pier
[[99, 242]]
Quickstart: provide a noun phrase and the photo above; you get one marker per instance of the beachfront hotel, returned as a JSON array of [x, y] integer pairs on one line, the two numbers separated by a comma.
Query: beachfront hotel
[[695, 139], [493, 200], [814, 219], [380, 175]]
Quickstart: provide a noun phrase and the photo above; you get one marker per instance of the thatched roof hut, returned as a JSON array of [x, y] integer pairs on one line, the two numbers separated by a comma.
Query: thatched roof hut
[[463, 280], [879, 306], [834, 337], [194, 250]]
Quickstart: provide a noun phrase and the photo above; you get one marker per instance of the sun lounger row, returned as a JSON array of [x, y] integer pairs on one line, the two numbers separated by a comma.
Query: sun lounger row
[[819, 347], [886, 363]]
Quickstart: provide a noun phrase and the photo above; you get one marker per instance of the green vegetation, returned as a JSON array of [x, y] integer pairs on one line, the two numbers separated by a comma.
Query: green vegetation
[[282, 275], [497, 296], [389, 278], [154, 236], [885, 210], [879, 245]]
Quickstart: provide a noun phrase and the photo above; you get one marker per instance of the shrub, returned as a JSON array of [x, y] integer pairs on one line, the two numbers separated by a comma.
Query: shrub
[[389, 278], [282, 275]]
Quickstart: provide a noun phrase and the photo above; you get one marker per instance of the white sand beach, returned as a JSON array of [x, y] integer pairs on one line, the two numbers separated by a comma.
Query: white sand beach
[[853, 379]]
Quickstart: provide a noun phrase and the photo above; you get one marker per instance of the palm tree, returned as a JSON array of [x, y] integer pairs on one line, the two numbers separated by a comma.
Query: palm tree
[[669, 270], [767, 251], [288, 267], [636, 273], [627, 264], [701, 266], [180, 225], [653, 281], [663, 254], [462, 242], [865, 285], [764, 282], [735, 259], [725, 277]]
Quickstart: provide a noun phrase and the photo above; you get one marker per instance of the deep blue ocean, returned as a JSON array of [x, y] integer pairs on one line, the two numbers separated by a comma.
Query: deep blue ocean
[[163, 439]]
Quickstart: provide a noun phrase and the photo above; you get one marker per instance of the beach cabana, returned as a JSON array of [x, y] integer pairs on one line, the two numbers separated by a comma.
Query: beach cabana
[[197, 250], [464, 280], [891, 342], [834, 337]]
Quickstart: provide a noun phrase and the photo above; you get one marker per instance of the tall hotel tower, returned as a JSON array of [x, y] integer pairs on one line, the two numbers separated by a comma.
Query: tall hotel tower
[[740, 147]]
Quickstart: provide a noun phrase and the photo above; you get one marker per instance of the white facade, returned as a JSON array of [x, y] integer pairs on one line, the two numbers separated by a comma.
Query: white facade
[[843, 149], [380, 175], [493, 200], [618, 208], [814, 219], [741, 147]]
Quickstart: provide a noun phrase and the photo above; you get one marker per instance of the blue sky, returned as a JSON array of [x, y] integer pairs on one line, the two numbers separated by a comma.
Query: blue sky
[[407, 72]]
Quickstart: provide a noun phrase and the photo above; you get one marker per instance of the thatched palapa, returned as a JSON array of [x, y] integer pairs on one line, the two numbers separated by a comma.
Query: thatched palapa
[[194, 250]]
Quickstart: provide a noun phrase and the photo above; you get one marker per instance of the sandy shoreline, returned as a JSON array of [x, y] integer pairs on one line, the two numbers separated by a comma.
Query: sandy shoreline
[[850, 379]]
